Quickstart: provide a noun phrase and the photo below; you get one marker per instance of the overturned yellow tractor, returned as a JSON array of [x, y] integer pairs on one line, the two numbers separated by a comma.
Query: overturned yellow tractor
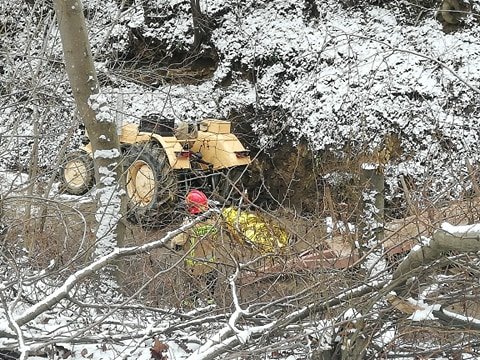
[[162, 161]]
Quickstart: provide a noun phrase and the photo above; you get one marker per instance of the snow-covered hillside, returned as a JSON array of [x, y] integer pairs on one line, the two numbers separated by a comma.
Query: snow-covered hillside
[[335, 75], [343, 79]]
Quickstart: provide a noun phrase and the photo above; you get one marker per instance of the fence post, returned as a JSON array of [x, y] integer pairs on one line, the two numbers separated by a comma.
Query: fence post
[[373, 201]]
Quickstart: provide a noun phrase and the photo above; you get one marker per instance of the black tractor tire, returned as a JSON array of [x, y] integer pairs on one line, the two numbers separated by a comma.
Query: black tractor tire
[[228, 185], [151, 185], [77, 174]]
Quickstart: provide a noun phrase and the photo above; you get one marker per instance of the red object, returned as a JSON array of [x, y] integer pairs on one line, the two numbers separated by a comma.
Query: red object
[[158, 349], [197, 202]]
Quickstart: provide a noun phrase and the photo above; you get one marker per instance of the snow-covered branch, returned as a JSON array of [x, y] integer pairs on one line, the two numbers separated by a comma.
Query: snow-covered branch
[[461, 239], [230, 336], [62, 291]]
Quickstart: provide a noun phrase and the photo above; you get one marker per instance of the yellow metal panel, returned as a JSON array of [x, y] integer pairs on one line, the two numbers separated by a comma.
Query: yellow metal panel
[[88, 149], [130, 135], [219, 149], [171, 145], [216, 126]]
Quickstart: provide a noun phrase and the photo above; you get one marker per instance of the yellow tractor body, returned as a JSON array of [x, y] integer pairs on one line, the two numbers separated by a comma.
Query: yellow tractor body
[[218, 146], [161, 161]]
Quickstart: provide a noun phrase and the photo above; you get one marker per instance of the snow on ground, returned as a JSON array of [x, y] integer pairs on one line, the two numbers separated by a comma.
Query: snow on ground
[[348, 77]]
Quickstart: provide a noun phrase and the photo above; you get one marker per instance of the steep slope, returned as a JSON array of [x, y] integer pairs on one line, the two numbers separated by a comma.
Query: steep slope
[[344, 78]]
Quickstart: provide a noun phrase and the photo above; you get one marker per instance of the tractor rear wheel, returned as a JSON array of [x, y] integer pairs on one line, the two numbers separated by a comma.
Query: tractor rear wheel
[[151, 185], [77, 174]]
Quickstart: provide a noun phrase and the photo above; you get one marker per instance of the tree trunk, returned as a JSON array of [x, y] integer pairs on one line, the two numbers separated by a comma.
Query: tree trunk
[[198, 25], [99, 123]]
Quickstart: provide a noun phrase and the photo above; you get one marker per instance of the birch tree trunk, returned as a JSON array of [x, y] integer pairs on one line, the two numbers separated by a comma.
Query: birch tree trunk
[[99, 123]]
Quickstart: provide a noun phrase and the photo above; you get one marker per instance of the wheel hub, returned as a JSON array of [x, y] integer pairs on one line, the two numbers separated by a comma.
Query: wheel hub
[[141, 183], [75, 173]]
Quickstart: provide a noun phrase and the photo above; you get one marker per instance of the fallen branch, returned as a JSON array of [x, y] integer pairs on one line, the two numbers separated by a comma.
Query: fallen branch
[[229, 337], [461, 239]]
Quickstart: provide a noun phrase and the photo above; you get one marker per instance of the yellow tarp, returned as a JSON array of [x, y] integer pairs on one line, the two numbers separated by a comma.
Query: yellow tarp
[[255, 230]]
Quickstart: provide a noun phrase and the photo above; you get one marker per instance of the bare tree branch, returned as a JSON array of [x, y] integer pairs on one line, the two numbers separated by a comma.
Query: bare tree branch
[[62, 292]]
